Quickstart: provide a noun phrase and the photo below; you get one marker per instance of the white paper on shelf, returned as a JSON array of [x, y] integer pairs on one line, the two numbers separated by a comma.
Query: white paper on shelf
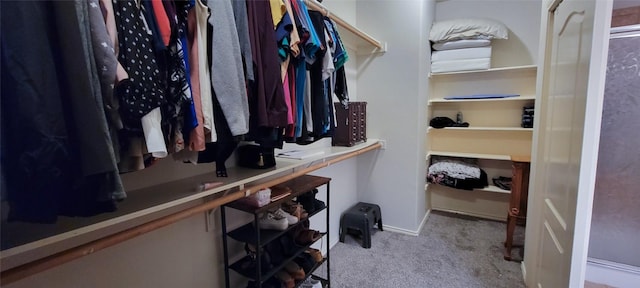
[[300, 154]]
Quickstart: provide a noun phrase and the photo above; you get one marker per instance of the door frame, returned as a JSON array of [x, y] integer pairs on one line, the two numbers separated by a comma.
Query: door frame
[[591, 140]]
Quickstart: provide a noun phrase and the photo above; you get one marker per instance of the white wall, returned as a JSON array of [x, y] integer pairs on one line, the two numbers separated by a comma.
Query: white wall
[[183, 254], [520, 16], [395, 87]]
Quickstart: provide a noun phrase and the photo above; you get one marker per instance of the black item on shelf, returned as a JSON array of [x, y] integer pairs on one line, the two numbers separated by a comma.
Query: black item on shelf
[[256, 157], [502, 182], [527, 117], [441, 122]]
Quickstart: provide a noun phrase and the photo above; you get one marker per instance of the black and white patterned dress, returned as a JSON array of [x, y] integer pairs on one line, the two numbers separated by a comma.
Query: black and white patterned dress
[[142, 92]]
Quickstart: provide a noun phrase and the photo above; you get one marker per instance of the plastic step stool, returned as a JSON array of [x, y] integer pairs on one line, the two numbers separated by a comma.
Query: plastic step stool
[[361, 217]]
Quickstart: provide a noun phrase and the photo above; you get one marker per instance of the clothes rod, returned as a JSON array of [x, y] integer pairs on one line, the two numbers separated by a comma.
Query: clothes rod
[[316, 6], [41, 265]]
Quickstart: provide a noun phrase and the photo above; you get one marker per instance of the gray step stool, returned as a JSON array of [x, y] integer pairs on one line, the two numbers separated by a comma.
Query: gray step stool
[[361, 217]]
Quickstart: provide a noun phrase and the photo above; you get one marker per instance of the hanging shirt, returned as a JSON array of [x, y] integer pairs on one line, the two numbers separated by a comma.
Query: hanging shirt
[[196, 139], [140, 93], [227, 76], [242, 24], [202, 14], [277, 11], [268, 94]]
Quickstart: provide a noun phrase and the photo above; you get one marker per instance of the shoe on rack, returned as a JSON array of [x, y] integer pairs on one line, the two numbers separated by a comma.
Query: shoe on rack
[[295, 271], [272, 221], [290, 218], [295, 209], [286, 279]]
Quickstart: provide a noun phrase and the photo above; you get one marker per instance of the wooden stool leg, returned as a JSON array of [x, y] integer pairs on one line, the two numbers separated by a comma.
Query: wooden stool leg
[[508, 244]]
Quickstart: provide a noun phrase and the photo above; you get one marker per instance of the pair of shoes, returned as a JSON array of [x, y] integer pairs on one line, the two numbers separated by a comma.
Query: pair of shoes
[[265, 259], [271, 221], [291, 219], [306, 261], [295, 271], [315, 253], [309, 201], [306, 237], [310, 283], [286, 279], [295, 209]]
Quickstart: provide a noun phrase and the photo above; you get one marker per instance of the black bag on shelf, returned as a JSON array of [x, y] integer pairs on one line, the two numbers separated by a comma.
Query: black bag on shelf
[[256, 157]]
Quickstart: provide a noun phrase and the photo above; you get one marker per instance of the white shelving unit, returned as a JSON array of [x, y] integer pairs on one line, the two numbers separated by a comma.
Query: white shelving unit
[[475, 128], [499, 69], [493, 136]]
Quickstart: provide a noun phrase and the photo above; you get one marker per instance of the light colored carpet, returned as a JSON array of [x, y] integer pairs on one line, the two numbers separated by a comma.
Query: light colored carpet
[[451, 251]]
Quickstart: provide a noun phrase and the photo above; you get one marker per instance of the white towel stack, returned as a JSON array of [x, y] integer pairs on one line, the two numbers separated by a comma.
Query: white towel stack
[[464, 44]]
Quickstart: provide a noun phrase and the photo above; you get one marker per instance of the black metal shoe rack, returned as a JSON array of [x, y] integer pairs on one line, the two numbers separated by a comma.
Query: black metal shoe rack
[[250, 233]]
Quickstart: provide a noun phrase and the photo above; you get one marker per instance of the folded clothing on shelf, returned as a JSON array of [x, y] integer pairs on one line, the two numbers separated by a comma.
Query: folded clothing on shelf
[[457, 173], [461, 65], [461, 44], [461, 54]]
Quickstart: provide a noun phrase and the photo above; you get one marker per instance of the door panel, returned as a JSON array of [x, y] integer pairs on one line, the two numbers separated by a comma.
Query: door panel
[[558, 174]]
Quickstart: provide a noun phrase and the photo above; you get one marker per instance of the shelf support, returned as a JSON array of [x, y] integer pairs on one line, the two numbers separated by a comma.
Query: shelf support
[[380, 47]]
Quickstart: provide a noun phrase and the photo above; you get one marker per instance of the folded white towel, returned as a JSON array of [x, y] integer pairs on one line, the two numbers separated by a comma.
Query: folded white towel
[[461, 54], [461, 44], [460, 65]]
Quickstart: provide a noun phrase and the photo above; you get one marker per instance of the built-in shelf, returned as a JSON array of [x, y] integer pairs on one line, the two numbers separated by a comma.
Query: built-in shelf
[[468, 155], [494, 189], [500, 69], [519, 98], [478, 128]]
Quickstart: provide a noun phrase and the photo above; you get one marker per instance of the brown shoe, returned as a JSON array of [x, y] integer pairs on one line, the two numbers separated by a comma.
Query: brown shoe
[[295, 271], [286, 279]]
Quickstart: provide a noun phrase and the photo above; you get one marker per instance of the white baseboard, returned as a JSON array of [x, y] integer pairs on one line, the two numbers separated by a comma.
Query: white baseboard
[[524, 270], [612, 273], [406, 231]]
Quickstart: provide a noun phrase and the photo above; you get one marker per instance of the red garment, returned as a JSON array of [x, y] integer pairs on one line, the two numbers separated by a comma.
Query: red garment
[[162, 20]]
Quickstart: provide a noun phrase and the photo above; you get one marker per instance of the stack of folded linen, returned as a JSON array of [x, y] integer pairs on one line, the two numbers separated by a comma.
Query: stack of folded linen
[[464, 44]]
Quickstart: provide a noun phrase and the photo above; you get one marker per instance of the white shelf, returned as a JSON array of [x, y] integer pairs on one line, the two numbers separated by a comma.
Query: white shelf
[[478, 128], [490, 188], [493, 189], [501, 69], [519, 98], [468, 155]]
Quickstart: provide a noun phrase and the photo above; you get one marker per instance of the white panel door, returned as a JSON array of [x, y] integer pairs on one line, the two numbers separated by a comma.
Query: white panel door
[[566, 162]]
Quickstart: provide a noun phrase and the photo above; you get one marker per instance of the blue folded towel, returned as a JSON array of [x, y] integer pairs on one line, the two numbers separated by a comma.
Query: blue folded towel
[[481, 96]]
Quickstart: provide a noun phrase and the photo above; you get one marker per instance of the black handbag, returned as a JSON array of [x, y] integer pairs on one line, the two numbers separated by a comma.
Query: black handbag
[[256, 157]]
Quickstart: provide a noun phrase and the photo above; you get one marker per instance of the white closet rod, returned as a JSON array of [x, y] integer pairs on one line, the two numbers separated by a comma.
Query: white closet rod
[[314, 5]]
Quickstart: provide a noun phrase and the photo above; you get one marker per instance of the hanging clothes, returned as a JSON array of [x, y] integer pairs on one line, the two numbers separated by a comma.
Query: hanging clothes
[[242, 24], [267, 95], [227, 75], [202, 15], [60, 154], [141, 92]]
